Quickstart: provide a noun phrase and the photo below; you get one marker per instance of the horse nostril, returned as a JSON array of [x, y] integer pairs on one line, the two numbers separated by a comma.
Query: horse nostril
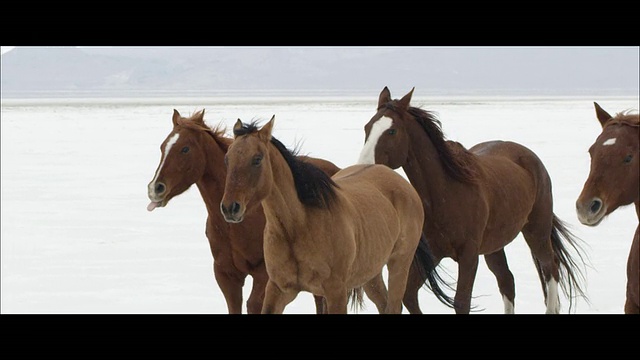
[[160, 188], [595, 206], [235, 208]]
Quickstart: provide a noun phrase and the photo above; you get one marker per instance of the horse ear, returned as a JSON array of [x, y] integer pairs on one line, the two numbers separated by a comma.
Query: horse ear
[[237, 127], [385, 97], [406, 100], [602, 115], [265, 132], [199, 117], [176, 116]]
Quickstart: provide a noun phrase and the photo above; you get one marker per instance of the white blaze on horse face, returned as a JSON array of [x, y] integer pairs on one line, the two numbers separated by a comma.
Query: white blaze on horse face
[[609, 142], [368, 153], [165, 153]]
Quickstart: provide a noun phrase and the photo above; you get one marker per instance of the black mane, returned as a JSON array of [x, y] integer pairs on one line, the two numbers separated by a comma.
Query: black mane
[[314, 187]]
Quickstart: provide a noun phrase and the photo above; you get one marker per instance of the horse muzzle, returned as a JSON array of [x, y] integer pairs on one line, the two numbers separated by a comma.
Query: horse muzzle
[[591, 212], [232, 212], [157, 194]]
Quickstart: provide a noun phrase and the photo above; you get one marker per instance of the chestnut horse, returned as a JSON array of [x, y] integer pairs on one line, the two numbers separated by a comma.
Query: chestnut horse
[[614, 181], [475, 202], [193, 153], [325, 235]]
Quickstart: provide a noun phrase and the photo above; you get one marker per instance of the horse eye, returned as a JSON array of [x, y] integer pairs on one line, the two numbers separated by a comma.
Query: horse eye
[[391, 131], [256, 160], [185, 150], [627, 159]]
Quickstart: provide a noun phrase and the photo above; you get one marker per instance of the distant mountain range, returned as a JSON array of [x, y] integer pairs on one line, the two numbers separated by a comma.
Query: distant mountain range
[[38, 71]]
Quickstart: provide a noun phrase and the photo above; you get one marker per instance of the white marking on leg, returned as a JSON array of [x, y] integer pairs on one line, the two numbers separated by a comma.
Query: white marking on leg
[[508, 305], [165, 153], [609, 142], [553, 300], [368, 153]]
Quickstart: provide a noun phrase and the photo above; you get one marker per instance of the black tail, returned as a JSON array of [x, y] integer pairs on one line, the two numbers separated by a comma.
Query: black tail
[[427, 269], [356, 298], [571, 276]]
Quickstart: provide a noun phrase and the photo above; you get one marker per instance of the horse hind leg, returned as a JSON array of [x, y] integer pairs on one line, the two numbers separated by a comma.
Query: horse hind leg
[[414, 284], [398, 267], [497, 263], [376, 291], [539, 241]]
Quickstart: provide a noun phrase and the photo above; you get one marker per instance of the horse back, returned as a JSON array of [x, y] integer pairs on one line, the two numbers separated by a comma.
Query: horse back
[[366, 183], [509, 160], [325, 165]]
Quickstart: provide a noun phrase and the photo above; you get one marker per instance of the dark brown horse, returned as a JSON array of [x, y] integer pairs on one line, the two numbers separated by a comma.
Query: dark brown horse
[[193, 153], [614, 181], [475, 201], [325, 235]]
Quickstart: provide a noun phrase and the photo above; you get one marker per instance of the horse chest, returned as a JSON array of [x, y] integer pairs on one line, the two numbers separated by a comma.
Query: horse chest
[[232, 246]]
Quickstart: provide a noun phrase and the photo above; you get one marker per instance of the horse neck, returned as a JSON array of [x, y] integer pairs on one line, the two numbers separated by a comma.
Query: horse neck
[[211, 184], [425, 169], [282, 208]]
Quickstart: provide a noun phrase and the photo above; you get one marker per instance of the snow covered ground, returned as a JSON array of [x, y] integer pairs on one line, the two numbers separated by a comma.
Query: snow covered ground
[[77, 238]]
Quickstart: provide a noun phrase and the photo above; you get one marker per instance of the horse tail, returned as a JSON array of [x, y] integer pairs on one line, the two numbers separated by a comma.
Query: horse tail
[[571, 276], [427, 268], [356, 298]]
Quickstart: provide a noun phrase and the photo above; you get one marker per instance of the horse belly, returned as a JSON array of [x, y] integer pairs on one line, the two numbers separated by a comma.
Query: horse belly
[[502, 228], [511, 195], [374, 247]]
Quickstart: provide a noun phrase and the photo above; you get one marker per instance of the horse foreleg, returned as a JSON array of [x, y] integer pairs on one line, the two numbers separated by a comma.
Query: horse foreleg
[[337, 296], [321, 304], [256, 298], [467, 269], [230, 283], [275, 299], [497, 263], [632, 303]]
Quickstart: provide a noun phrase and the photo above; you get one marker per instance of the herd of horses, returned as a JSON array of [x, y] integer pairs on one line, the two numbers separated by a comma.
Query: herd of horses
[[301, 224]]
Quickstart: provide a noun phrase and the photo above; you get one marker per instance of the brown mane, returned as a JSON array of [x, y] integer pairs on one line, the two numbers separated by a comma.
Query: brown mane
[[217, 132], [625, 118]]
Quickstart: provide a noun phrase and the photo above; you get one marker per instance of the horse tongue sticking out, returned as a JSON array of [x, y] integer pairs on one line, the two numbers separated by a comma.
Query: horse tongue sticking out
[[152, 205]]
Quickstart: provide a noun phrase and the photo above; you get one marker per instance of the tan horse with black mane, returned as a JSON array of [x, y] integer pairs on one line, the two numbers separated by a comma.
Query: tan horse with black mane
[[475, 202], [614, 181], [193, 153], [326, 235]]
